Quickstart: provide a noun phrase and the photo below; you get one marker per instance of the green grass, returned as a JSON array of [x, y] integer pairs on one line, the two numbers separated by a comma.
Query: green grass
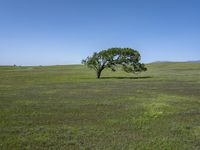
[[65, 107]]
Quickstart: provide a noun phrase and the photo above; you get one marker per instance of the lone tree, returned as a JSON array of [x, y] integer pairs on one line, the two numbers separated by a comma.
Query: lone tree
[[110, 58]]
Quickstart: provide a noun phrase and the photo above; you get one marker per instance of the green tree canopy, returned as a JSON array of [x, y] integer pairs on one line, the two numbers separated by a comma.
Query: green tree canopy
[[110, 58]]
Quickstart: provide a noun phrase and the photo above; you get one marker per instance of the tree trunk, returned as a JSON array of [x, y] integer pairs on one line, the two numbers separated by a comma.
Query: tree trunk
[[98, 72]]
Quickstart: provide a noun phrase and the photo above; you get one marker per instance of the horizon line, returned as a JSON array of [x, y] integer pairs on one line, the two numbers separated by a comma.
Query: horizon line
[[159, 61]]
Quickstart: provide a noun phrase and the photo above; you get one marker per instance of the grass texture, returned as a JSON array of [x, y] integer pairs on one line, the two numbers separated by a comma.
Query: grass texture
[[66, 108]]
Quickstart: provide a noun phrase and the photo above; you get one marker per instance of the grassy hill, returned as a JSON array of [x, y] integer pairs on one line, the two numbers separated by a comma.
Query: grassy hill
[[65, 107]]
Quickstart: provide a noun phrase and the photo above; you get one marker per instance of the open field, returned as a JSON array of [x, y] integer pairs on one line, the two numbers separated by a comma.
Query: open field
[[65, 107]]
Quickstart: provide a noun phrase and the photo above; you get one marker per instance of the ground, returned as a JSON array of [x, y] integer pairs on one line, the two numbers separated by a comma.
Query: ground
[[65, 107]]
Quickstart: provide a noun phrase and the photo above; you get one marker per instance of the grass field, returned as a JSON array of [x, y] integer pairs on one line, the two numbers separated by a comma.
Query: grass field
[[65, 107]]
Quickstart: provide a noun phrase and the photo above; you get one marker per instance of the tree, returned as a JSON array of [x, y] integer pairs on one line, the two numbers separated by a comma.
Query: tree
[[110, 58]]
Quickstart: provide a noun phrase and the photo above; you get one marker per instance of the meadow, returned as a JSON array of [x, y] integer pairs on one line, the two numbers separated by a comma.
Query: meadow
[[66, 108]]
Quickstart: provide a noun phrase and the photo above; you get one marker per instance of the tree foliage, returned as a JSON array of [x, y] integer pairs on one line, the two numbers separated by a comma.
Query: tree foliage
[[110, 58]]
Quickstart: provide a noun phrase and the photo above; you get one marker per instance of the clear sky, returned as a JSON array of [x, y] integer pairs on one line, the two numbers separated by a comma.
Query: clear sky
[[52, 32]]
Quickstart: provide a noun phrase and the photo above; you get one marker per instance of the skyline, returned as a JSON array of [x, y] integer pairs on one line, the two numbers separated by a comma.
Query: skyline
[[50, 32]]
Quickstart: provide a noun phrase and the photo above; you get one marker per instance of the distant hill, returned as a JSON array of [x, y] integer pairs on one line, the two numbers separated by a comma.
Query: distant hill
[[194, 61], [156, 62]]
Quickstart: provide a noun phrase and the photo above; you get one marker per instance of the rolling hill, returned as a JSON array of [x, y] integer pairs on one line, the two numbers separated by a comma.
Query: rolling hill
[[65, 107]]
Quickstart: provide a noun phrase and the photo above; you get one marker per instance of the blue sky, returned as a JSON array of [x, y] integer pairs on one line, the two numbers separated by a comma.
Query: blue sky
[[52, 32]]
